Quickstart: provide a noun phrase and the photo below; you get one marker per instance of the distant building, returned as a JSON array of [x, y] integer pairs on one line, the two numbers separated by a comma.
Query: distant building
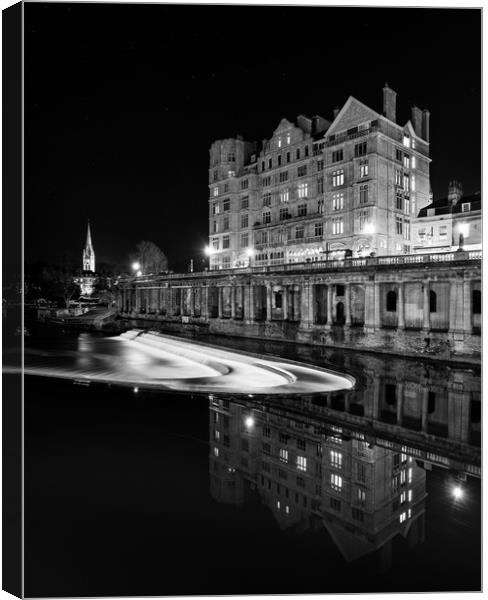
[[351, 184], [88, 278], [441, 223]]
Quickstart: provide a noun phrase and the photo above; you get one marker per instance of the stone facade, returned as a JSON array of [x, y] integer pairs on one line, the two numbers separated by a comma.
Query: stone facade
[[426, 305], [319, 187]]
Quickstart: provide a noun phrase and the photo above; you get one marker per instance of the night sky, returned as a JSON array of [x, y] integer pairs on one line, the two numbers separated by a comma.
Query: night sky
[[123, 101]]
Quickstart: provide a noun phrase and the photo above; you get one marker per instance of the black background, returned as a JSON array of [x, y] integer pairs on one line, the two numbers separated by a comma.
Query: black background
[[123, 101]]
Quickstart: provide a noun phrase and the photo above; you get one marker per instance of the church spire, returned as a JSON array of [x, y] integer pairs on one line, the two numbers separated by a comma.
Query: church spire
[[88, 252]]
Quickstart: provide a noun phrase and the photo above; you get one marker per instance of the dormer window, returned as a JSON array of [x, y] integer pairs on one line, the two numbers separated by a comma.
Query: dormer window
[[288, 138], [406, 140], [466, 206], [279, 142]]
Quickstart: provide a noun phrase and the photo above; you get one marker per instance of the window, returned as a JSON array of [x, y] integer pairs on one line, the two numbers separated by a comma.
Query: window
[[263, 165], [399, 226], [299, 232], [337, 201], [244, 221], [225, 242], [267, 432], [337, 226], [319, 229], [306, 150], [282, 474], [443, 232], [226, 204], [360, 149], [406, 140], [266, 181], [284, 214], [403, 517], [399, 200], [279, 142], [244, 184], [398, 178], [336, 482], [361, 472], [245, 202], [337, 155], [335, 504], [298, 153], [391, 301], [406, 161], [339, 289], [357, 515], [226, 186], [302, 210], [215, 227], [302, 190], [266, 217], [399, 155], [215, 243], [338, 178], [301, 445], [361, 496], [432, 301], [226, 224], [363, 168], [465, 206], [278, 299], [284, 195], [284, 455], [279, 160], [215, 191], [406, 182], [476, 302], [216, 452], [215, 175], [301, 463], [320, 186], [270, 163], [267, 199], [302, 171], [287, 157], [215, 208], [283, 176], [363, 219], [320, 165], [336, 459], [300, 482], [244, 240], [266, 448], [406, 230], [363, 194], [231, 157], [320, 205], [406, 205]]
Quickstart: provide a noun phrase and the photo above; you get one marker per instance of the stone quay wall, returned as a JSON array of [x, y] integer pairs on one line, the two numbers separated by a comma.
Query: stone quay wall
[[412, 305]]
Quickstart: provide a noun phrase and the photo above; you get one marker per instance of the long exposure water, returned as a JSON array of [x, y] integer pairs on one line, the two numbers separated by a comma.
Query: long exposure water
[[140, 491]]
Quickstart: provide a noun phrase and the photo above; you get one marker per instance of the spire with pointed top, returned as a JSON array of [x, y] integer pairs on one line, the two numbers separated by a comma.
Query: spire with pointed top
[[88, 252]]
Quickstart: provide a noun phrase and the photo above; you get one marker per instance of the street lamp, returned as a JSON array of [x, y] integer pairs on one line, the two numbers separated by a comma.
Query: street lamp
[[136, 266], [250, 254]]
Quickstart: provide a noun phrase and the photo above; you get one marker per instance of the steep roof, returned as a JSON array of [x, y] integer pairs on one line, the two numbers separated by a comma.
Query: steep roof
[[444, 207]]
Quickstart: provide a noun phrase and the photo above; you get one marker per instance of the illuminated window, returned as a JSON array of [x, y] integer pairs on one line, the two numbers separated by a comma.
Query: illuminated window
[[407, 205], [215, 244], [278, 505], [288, 138], [413, 162], [406, 140], [215, 226], [363, 168], [337, 226], [403, 497], [301, 463], [216, 208], [398, 178], [337, 201], [403, 517], [406, 161], [363, 219], [320, 205], [336, 459], [338, 178], [216, 191], [279, 142], [466, 206], [217, 435], [410, 475], [406, 230], [284, 195], [287, 510], [216, 451], [402, 477], [284, 455], [336, 482], [410, 495], [361, 497], [412, 183], [406, 182], [302, 190]]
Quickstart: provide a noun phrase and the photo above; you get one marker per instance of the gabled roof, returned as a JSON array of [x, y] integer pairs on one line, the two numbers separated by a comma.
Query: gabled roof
[[361, 113], [284, 125], [444, 207]]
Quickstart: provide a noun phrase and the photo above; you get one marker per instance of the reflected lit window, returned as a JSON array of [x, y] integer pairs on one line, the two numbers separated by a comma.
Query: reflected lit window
[[216, 452], [336, 482], [410, 495], [301, 463], [403, 517], [336, 459], [283, 455]]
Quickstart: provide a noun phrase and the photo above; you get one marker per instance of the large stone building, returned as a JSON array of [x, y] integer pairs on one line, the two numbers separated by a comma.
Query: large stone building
[[449, 223], [353, 184]]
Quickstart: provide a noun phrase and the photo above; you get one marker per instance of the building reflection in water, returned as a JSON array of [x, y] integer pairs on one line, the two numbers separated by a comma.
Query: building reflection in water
[[353, 463]]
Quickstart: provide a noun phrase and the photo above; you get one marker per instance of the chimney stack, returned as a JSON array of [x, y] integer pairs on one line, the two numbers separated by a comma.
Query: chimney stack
[[389, 103], [454, 192], [417, 120], [426, 125], [336, 111]]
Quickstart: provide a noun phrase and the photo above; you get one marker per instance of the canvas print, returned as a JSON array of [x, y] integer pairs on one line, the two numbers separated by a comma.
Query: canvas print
[[242, 299]]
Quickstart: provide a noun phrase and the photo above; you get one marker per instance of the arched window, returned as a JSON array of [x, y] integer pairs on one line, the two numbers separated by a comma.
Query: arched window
[[477, 302], [391, 301], [433, 301]]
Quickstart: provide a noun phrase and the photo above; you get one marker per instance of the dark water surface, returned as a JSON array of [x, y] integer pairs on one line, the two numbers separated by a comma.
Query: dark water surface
[[147, 493]]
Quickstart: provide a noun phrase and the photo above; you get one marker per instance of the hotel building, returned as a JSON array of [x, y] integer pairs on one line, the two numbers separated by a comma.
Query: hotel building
[[351, 185]]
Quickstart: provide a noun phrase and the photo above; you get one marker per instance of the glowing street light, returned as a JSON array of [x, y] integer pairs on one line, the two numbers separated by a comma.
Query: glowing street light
[[249, 422], [136, 266], [458, 492], [250, 252], [369, 228], [139, 273]]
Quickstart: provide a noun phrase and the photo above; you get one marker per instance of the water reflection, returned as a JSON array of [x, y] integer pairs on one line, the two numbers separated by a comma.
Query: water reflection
[[352, 463]]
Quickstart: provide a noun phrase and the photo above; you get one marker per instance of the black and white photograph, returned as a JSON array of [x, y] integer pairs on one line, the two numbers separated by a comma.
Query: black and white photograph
[[242, 299]]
